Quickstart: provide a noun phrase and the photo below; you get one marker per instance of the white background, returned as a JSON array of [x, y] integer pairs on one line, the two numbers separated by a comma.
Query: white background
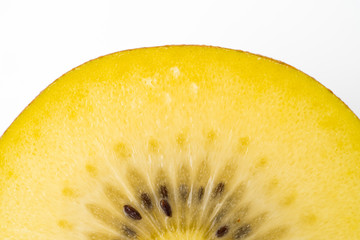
[[41, 40]]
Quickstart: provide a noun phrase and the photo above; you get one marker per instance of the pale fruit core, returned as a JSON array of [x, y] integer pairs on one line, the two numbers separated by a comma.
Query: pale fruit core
[[178, 235]]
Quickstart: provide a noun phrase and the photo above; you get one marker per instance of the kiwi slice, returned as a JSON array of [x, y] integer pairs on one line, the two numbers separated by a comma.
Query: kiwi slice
[[182, 142]]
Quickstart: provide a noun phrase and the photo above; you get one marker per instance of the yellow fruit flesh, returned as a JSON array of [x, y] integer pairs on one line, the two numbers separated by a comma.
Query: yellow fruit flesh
[[291, 140]]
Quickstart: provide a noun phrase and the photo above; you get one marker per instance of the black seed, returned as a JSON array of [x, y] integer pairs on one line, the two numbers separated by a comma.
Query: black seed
[[242, 232], [132, 212], [146, 201], [222, 231], [219, 189], [163, 192], [219, 216], [201, 193], [165, 206], [129, 232], [184, 191]]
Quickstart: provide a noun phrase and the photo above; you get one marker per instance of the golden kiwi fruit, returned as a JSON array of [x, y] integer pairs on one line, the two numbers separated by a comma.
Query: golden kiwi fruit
[[182, 142]]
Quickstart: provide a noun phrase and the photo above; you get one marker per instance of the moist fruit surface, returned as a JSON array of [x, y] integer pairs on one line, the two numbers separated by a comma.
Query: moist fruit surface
[[182, 142]]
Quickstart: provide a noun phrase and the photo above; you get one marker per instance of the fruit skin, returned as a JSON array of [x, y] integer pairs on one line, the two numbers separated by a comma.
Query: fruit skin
[[99, 102]]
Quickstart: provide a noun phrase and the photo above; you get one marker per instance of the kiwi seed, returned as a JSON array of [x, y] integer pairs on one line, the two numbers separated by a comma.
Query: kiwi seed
[[165, 206], [222, 231], [201, 193], [219, 189], [132, 212], [242, 232], [163, 191], [146, 201], [129, 232], [184, 191]]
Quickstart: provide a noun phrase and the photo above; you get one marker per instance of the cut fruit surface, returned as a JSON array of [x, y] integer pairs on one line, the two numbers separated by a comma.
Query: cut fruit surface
[[182, 142]]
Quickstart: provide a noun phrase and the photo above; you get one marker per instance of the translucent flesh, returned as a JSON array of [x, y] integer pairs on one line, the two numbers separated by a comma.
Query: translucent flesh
[[126, 122]]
